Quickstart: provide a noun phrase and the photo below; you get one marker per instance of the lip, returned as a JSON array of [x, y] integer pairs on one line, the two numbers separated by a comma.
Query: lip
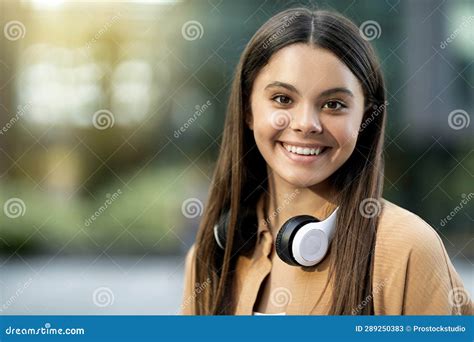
[[300, 158]]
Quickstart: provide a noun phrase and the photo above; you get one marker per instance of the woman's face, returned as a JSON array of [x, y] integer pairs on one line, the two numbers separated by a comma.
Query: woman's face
[[306, 111]]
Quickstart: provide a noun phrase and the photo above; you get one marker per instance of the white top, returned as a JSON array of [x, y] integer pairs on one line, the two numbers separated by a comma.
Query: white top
[[255, 313]]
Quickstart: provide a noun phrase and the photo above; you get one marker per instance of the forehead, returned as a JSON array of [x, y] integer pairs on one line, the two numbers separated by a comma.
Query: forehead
[[310, 69]]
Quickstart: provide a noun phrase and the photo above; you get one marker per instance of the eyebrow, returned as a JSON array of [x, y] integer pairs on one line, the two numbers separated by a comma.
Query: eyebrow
[[324, 93]]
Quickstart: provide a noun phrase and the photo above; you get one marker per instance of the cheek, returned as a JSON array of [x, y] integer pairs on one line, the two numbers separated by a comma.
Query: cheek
[[345, 134], [264, 128], [264, 135]]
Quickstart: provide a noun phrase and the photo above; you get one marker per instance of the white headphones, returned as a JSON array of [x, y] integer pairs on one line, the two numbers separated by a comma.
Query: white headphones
[[302, 240]]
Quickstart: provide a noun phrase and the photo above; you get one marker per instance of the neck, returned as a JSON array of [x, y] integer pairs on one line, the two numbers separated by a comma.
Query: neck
[[284, 201]]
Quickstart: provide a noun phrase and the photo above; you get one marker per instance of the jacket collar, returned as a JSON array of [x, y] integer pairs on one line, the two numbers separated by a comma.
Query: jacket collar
[[310, 291]]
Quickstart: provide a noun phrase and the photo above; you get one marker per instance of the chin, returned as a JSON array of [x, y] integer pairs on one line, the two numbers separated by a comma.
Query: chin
[[302, 180]]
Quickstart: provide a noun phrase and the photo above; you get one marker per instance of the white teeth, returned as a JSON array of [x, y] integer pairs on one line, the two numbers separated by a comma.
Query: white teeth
[[304, 150]]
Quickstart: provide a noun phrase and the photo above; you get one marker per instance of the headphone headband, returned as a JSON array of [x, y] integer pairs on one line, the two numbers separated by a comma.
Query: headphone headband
[[302, 240]]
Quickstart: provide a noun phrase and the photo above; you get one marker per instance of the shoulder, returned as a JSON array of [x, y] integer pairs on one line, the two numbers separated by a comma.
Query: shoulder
[[413, 273], [402, 232]]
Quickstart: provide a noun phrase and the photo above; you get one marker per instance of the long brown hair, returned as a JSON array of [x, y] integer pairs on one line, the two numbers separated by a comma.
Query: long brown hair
[[240, 176]]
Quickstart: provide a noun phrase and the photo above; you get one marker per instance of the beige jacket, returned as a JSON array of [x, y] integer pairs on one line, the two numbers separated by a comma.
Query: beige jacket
[[413, 274]]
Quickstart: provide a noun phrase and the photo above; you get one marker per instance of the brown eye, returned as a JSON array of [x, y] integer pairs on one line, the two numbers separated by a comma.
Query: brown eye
[[282, 99], [334, 105]]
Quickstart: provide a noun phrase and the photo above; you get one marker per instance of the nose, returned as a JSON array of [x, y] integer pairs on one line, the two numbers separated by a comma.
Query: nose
[[306, 121]]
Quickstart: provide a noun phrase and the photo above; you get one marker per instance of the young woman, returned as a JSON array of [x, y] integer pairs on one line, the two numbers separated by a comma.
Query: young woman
[[304, 136]]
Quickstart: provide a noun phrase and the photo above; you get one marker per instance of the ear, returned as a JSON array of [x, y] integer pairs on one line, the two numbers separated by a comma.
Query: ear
[[249, 120]]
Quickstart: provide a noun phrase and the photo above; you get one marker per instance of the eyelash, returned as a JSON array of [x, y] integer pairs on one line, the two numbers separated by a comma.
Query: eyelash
[[340, 103], [280, 103]]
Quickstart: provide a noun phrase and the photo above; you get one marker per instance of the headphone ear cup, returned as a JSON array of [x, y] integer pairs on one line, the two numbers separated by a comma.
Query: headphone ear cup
[[245, 235], [282, 249], [286, 234], [220, 230]]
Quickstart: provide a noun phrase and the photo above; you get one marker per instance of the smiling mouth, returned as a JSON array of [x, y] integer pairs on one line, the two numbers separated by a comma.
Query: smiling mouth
[[303, 150]]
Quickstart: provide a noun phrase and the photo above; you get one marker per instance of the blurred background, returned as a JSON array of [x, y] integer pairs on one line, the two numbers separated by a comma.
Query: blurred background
[[111, 114]]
